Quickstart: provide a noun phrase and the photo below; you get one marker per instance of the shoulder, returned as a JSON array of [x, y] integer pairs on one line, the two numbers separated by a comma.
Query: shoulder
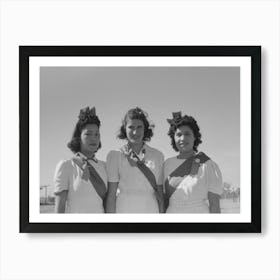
[[171, 163], [113, 155], [214, 178], [64, 164], [154, 151], [101, 163], [203, 158], [116, 152], [170, 160], [211, 164], [211, 167]]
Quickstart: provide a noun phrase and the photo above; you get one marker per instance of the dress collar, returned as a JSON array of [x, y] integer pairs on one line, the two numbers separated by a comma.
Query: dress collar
[[141, 153], [81, 155]]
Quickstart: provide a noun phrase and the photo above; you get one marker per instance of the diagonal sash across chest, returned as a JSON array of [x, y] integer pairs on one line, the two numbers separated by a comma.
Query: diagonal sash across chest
[[150, 177], [189, 167], [134, 160], [148, 174], [90, 173]]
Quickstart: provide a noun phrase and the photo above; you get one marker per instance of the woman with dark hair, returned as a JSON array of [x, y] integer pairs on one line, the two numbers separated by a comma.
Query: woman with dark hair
[[135, 170], [80, 182], [192, 181]]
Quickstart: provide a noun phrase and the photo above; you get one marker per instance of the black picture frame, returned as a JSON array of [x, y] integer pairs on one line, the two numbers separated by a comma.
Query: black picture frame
[[254, 52]]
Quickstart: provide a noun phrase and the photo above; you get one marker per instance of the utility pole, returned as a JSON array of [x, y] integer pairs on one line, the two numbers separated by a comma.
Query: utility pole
[[45, 188]]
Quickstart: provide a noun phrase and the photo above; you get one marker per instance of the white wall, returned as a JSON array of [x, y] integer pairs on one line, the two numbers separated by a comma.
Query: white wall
[[139, 256]]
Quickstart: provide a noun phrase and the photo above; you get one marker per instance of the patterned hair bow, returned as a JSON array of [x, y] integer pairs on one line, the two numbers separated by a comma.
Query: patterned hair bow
[[177, 118], [139, 111], [86, 113]]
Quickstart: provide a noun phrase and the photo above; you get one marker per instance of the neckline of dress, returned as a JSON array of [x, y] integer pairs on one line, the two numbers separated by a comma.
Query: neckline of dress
[[94, 159], [177, 157], [144, 148]]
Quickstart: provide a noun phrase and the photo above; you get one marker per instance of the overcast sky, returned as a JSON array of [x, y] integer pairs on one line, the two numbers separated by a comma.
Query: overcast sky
[[210, 94]]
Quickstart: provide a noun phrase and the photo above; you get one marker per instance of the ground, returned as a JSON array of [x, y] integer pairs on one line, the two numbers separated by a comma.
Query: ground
[[227, 206]]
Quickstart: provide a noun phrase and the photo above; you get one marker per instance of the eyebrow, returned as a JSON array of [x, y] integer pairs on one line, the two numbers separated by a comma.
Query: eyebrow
[[131, 125], [181, 132], [91, 131]]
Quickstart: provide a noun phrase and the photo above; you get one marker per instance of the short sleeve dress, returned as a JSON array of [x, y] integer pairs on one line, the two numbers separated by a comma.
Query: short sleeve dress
[[135, 193], [82, 196], [191, 193]]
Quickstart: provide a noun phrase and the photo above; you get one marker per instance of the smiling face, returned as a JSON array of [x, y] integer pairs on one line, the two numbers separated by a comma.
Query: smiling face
[[90, 139], [184, 139], [134, 131]]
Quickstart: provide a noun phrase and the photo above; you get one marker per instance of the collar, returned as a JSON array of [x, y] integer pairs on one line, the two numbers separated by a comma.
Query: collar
[[142, 150], [127, 150], [82, 156]]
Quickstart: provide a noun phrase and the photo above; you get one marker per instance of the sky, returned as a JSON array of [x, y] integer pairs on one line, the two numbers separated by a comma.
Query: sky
[[210, 94]]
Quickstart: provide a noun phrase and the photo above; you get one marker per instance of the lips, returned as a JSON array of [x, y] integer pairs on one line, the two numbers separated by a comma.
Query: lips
[[183, 144]]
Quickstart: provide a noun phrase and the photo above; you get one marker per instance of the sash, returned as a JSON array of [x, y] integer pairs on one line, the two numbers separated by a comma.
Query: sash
[[148, 174], [150, 177], [134, 160], [189, 167], [89, 173]]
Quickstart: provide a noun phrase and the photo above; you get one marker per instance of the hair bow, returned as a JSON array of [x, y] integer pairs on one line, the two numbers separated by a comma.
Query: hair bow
[[139, 111], [87, 113], [177, 117]]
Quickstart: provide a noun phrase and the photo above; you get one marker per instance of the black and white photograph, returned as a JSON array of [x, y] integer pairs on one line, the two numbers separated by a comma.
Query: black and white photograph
[[123, 132], [140, 140]]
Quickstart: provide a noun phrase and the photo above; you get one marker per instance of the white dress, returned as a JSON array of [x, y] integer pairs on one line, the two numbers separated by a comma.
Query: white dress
[[191, 191], [82, 196], [135, 193]]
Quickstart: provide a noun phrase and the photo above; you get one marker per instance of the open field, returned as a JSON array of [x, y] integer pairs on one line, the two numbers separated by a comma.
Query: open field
[[46, 208], [227, 206], [230, 206]]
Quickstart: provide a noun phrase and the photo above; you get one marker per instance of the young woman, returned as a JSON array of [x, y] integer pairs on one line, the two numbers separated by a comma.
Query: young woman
[[193, 182], [80, 182], [135, 170]]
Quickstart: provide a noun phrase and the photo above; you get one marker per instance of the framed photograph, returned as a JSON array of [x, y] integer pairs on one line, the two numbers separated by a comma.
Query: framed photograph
[[198, 109]]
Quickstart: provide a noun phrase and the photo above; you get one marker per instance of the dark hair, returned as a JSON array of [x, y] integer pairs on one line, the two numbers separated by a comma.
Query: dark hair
[[137, 114], [86, 116], [179, 121]]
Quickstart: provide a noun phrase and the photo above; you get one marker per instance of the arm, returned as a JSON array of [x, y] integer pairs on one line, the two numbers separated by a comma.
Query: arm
[[215, 186], [166, 188], [160, 199], [214, 202], [60, 202], [160, 190], [61, 184], [111, 197], [166, 197]]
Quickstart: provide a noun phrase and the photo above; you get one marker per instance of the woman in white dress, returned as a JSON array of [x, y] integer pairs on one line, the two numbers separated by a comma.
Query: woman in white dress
[[192, 181], [80, 183], [135, 170]]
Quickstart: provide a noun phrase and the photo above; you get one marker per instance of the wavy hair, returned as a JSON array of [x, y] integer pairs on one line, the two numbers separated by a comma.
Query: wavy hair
[[179, 121], [86, 116], [137, 114]]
